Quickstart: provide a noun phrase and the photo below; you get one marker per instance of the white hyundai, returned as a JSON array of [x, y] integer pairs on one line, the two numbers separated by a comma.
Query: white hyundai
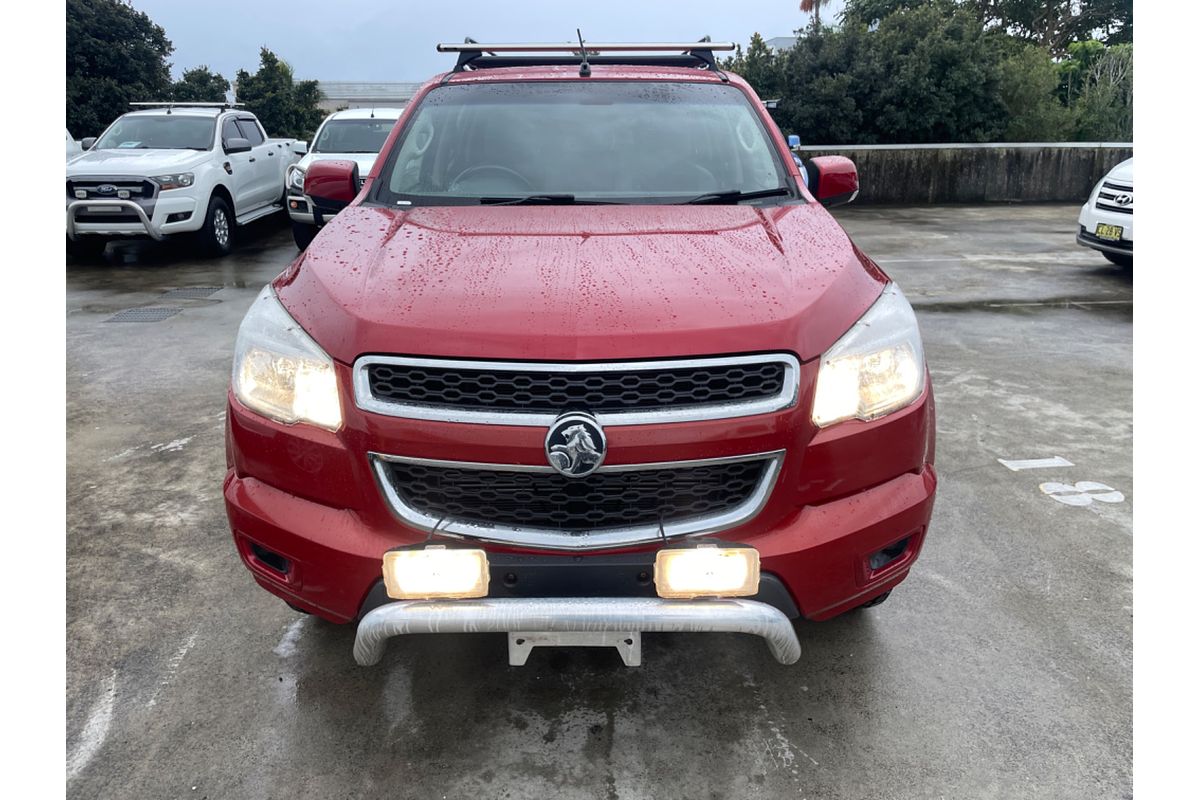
[[355, 134], [1106, 219]]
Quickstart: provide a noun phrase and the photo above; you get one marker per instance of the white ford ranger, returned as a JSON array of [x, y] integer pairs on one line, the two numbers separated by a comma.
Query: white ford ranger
[[355, 134], [176, 169]]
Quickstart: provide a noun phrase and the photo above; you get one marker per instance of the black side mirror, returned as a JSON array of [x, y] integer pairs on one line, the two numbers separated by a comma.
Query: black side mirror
[[236, 144], [87, 142]]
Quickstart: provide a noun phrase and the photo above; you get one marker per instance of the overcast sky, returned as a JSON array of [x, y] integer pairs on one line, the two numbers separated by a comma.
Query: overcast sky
[[393, 40]]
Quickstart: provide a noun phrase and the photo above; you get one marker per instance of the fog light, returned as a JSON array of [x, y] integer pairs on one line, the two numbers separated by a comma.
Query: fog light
[[706, 571], [435, 572]]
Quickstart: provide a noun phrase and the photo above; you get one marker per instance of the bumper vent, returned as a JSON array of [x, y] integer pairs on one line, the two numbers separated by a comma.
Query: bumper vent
[[554, 502], [616, 505]]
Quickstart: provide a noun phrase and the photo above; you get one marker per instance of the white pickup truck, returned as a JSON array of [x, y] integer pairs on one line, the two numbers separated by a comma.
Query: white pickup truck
[[196, 169]]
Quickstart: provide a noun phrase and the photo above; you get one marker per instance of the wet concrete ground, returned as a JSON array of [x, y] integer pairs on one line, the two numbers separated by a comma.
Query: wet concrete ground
[[1001, 668]]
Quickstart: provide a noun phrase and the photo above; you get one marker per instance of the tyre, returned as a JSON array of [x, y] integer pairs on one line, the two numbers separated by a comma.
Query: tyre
[[1120, 259], [303, 234], [874, 601], [86, 248], [216, 237]]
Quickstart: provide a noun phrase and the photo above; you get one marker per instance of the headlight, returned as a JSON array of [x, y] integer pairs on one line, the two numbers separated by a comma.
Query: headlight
[[280, 372], [174, 181], [877, 367], [296, 179]]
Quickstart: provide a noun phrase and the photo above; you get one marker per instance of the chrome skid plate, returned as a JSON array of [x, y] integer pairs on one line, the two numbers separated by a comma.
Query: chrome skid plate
[[629, 644]]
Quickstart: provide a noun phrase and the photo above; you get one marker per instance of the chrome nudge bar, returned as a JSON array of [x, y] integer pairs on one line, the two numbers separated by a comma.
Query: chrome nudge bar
[[575, 614], [127, 205]]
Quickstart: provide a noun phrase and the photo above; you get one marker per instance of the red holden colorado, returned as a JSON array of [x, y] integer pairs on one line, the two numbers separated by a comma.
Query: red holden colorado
[[581, 358]]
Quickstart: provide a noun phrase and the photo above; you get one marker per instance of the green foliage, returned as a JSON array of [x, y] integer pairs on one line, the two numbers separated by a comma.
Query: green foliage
[[115, 55], [911, 71], [200, 85], [1105, 103], [285, 107], [1029, 84]]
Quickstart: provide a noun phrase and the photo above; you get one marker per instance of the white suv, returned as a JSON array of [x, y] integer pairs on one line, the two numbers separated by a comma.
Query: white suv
[[356, 135], [1106, 219]]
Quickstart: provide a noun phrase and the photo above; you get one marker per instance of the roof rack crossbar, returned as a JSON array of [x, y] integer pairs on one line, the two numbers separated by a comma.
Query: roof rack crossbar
[[169, 104], [475, 55]]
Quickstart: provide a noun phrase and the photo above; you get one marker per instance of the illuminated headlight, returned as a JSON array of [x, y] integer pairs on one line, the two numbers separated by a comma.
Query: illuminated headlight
[[877, 367], [296, 179], [280, 372], [435, 572], [706, 571], [174, 181]]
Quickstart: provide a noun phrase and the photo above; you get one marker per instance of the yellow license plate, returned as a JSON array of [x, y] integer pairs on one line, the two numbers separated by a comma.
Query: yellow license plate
[[1112, 232]]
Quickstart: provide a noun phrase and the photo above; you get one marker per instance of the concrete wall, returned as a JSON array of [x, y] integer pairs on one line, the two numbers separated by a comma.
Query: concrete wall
[[977, 173]]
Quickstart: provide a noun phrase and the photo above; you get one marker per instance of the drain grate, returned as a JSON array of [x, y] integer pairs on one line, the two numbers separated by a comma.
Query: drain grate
[[150, 314], [190, 292]]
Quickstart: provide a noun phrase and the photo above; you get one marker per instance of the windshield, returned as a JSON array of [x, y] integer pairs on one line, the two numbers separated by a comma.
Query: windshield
[[159, 132], [353, 135], [629, 141]]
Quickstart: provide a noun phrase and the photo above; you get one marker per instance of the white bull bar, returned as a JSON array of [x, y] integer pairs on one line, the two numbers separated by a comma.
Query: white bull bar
[[596, 615]]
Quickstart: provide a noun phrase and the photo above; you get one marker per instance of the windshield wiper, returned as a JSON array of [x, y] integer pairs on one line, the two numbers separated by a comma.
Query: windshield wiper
[[537, 200], [736, 196]]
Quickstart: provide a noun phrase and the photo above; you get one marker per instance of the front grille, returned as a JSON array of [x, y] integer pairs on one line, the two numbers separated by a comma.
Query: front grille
[[1109, 194], [551, 502], [733, 386], [138, 189]]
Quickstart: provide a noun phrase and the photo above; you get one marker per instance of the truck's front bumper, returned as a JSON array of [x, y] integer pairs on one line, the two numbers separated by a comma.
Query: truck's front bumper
[[592, 615], [169, 215]]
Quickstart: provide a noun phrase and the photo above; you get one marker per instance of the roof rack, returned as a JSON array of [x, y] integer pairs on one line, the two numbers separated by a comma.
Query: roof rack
[[475, 55], [169, 104]]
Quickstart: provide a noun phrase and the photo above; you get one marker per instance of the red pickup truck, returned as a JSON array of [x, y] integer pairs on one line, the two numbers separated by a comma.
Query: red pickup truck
[[582, 357]]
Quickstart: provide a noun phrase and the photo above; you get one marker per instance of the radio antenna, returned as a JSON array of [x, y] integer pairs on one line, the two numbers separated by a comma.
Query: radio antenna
[[585, 69]]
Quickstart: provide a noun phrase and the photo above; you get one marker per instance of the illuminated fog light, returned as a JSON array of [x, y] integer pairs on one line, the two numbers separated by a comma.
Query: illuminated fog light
[[706, 571], [435, 572]]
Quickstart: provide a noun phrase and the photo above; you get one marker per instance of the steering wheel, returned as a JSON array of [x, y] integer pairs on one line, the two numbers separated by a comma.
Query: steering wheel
[[508, 178], [685, 173]]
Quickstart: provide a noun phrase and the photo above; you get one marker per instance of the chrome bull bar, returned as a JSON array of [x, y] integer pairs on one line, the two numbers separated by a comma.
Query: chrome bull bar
[[594, 615], [73, 208]]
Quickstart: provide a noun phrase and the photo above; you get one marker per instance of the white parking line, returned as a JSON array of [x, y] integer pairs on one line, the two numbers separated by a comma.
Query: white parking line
[[95, 730], [1017, 465]]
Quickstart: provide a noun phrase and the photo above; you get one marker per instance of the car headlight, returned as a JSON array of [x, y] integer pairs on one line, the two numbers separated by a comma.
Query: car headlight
[[296, 179], [280, 372], [878, 366], [177, 181]]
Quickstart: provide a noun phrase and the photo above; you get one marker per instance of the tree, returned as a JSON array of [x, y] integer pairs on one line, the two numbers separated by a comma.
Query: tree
[[813, 7], [115, 55], [1029, 89], [1105, 103], [200, 85], [285, 106]]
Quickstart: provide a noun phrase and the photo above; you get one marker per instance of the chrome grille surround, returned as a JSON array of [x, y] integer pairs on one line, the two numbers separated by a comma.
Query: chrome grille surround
[[555, 539], [784, 398], [1107, 198]]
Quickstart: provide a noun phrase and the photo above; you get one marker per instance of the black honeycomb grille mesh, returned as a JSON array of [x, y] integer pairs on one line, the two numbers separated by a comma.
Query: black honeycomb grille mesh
[[597, 392], [553, 502]]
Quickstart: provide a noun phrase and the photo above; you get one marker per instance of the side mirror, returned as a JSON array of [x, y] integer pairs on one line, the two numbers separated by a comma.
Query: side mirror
[[331, 185], [87, 142], [833, 180], [237, 144], [300, 148]]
